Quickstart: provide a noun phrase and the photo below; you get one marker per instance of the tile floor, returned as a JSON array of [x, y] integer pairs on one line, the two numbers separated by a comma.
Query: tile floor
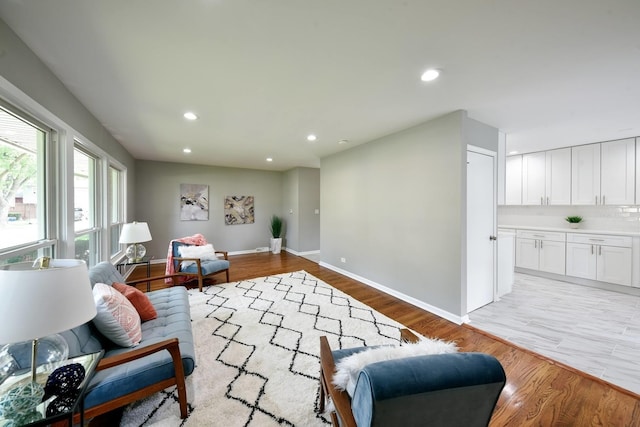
[[593, 330]]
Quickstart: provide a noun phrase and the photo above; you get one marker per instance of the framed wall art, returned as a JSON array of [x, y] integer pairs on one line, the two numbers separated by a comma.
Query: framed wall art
[[238, 210], [194, 202]]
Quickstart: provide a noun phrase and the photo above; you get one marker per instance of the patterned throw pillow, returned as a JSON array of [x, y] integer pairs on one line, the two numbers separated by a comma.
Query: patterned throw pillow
[[117, 318], [140, 301]]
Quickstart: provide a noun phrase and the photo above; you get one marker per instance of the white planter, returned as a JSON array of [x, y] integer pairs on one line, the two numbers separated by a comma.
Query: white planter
[[275, 245], [574, 224]]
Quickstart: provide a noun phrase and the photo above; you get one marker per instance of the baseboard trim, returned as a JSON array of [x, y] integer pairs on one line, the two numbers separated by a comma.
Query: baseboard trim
[[296, 253], [459, 320]]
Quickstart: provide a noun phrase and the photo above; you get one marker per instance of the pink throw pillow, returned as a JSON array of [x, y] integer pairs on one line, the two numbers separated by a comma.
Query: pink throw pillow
[[140, 301]]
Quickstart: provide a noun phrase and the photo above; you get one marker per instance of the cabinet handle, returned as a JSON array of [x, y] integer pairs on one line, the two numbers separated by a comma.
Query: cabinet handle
[[591, 249], [535, 244], [597, 240], [540, 244], [600, 250]]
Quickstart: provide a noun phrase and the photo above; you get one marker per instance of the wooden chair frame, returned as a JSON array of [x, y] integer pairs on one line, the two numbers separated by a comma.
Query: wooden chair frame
[[199, 274], [172, 346], [341, 400]]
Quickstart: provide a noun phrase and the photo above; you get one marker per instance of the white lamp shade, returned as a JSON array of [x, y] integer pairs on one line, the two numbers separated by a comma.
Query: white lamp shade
[[36, 302], [135, 232]]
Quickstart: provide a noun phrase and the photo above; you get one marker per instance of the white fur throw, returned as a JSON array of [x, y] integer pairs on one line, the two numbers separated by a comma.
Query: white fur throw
[[348, 368], [204, 252]]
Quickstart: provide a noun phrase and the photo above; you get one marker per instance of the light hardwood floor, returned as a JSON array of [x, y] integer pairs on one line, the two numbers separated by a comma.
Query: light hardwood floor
[[539, 390]]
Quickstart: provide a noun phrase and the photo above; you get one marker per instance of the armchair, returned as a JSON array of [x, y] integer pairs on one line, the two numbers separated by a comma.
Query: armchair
[[199, 267], [455, 389]]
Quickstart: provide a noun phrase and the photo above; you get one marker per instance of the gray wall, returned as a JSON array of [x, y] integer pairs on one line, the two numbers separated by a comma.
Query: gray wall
[[20, 66], [158, 203], [301, 200], [395, 209]]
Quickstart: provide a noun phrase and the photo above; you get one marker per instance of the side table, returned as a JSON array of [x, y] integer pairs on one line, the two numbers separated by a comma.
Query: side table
[[145, 260], [88, 361]]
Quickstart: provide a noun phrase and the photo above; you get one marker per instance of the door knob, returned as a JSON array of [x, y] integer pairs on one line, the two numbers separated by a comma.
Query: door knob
[[493, 238]]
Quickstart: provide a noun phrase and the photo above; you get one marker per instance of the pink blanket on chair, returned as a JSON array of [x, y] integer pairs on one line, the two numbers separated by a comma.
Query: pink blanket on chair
[[196, 239]]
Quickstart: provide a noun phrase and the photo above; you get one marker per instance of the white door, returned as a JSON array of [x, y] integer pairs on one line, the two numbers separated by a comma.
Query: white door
[[481, 229]]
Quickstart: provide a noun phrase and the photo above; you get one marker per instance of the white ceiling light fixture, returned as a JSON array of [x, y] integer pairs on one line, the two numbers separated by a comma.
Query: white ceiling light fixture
[[269, 159], [430, 75], [186, 150], [311, 137], [190, 116], [343, 141], [513, 152]]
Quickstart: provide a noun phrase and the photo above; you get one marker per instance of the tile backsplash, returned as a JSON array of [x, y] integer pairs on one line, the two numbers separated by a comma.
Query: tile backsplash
[[603, 218]]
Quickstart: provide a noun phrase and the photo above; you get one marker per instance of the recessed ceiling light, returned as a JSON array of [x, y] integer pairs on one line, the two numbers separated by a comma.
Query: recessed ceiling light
[[430, 75], [311, 137], [269, 159], [190, 116], [513, 152], [186, 150], [343, 141]]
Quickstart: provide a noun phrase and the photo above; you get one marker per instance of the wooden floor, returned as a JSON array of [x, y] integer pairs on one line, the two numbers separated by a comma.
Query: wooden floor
[[539, 391]]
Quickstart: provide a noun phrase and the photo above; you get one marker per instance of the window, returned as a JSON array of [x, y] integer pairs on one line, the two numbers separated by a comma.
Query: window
[[116, 209], [86, 206], [24, 160]]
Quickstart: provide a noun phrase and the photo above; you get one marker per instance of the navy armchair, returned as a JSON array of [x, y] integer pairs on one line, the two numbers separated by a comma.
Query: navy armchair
[[456, 389]]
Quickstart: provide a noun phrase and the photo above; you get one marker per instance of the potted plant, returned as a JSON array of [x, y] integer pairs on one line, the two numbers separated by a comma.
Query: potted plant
[[276, 234], [574, 221]]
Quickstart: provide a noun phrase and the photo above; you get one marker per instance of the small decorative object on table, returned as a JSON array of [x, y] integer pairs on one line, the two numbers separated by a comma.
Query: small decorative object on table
[[574, 221]]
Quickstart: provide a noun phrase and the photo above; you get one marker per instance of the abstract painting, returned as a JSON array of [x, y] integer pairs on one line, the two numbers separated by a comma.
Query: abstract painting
[[238, 210], [194, 202]]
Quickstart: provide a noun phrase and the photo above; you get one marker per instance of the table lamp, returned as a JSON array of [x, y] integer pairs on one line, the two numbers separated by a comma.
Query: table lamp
[[134, 234], [41, 299]]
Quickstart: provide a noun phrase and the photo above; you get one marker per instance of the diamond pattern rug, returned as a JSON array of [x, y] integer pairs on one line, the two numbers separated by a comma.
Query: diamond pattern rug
[[257, 346]]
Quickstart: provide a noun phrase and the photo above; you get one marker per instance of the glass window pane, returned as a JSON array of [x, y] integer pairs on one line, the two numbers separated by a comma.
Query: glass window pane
[[21, 182], [114, 242], [84, 172], [114, 191], [87, 248]]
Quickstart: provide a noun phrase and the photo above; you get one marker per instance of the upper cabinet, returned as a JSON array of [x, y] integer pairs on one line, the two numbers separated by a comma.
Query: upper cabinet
[[546, 178], [604, 174], [513, 180]]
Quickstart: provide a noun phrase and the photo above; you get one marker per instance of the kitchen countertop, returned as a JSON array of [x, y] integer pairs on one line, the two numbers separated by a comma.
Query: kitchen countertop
[[570, 230]]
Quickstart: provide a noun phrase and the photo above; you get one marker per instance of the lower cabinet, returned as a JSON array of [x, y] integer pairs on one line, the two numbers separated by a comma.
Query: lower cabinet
[[600, 257], [543, 251]]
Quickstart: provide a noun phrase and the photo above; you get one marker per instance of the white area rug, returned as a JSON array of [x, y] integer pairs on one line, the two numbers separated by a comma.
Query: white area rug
[[257, 346]]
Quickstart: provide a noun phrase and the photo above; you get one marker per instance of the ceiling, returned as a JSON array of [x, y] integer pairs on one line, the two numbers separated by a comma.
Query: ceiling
[[261, 75]]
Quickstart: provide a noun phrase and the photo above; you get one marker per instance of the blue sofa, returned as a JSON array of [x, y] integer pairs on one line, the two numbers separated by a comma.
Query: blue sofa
[[164, 357]]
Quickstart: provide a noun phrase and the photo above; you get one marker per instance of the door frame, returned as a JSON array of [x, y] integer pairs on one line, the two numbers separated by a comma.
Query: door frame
[[494, 155]]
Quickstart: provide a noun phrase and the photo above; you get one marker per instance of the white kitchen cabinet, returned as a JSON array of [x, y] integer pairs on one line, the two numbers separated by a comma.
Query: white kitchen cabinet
[[546, 178], [558, 177], [513, 180], [543, 251], [585, 174], [606, 258], [533, 178], [604, 173], [617, 172]]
